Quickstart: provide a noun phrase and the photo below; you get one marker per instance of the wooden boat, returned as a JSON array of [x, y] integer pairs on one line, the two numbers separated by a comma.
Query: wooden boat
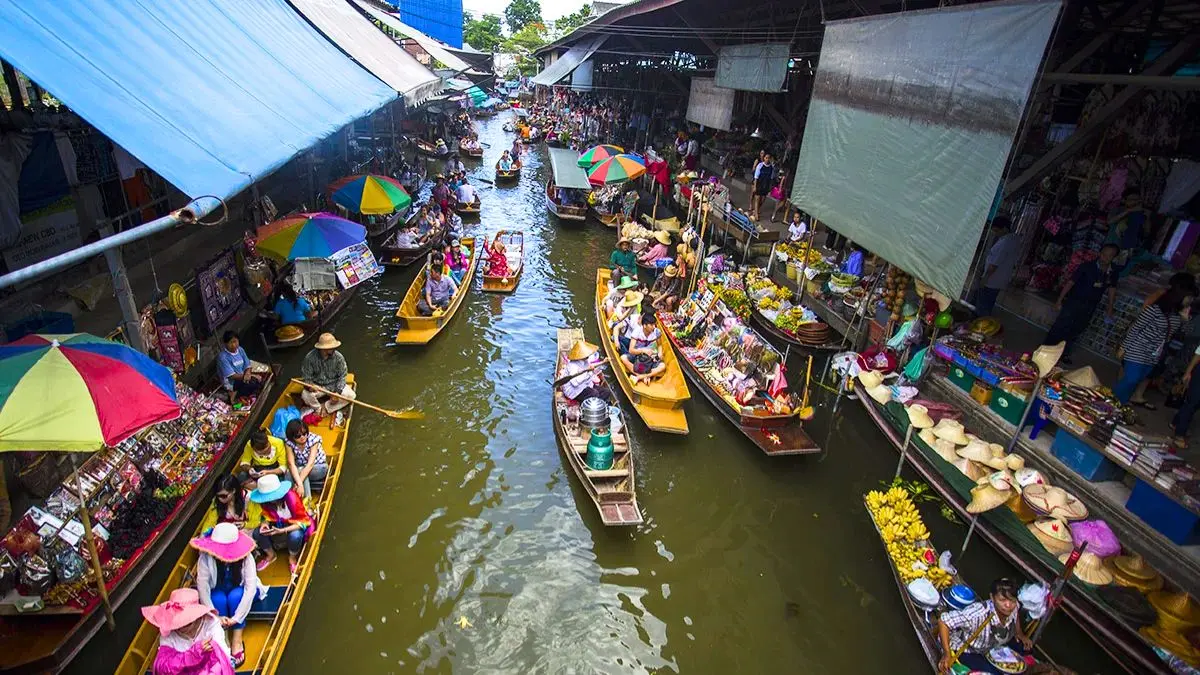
[[1118, 639], [565, 173], [514, 245], [774, 434], [413, 186], [613, 491], [471, 209], [563, 212], [429, 149], [658, 403], [270, 622], [607, 219], [47, 641], [311, 329], [832, 344], [473, 153], [392, 254], [418, 330], [510, 176], [509, 127]]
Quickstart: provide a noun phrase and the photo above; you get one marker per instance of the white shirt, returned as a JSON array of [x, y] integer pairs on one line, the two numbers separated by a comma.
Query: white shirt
[[1003, 255], [693, 147], [465, 193], [573, 387], [797, 230], [207, 578]]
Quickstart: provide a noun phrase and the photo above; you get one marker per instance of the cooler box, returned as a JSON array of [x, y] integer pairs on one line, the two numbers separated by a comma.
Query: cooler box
[[1083, 460], [1163, 514], [961, 378]]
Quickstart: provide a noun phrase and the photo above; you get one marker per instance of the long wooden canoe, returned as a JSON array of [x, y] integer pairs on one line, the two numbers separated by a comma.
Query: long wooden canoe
[[393, 255], [831, 344], [418, 330], [270, 622], [1118, 639], [613, 491], [471, 209], [658, 403], [775, 435], [430, 149], [473, 153], [514, 245]]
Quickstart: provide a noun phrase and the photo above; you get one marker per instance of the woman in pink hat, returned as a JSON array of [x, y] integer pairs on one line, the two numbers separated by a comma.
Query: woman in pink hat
[[190, 640], [227, 580]]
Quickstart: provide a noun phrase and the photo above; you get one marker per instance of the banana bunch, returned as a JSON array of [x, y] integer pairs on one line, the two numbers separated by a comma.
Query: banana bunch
[[768, 303]]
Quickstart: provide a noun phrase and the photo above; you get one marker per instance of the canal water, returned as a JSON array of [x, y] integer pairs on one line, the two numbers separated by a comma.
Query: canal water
[[463, 543]]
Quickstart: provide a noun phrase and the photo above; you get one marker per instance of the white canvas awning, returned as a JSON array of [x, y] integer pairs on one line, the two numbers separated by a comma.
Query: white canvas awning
[[366, 44], [435, 48], [569, 61]]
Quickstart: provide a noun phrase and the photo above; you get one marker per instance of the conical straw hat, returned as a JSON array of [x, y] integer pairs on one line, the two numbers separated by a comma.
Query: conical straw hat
[[1047, 356], [581, 350], [1014, 462], [945, 449], [881, 393], [927, 436], [1054, 501], [1083, 377], [870, 378], [1054, 534], [1090, 569], [976, 451], [1135, 572], [969, 469], [918, 416], [951, 430], [986, 497]]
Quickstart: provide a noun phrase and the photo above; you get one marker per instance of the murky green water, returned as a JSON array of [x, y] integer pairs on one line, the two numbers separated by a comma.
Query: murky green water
[[745, 564]]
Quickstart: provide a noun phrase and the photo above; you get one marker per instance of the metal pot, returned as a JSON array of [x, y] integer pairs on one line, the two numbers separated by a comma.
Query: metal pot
[[593, 413]]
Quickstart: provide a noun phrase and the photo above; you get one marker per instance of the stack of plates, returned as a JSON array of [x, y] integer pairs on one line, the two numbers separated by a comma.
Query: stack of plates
[[813, 333]]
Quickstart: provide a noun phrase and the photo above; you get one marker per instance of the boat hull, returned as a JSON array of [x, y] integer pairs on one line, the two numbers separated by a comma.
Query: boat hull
[[508, 284], [418, 330]]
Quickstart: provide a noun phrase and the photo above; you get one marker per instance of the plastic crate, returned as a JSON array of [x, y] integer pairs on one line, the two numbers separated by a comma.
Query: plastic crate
[[961, 378], [943, 351], [1164, 514], [1083, 460], [1007, 405]]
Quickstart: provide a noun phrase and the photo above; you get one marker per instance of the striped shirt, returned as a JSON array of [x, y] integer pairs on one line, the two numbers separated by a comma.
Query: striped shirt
[[1149, 334], [964, 622]]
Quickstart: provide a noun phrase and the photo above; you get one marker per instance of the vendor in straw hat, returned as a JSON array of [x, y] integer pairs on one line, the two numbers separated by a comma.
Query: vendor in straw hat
[[994, 623], [623, 257], [227, 580], [325, 367], [667, 290], [660, 249], [582, 356], [190, 640]]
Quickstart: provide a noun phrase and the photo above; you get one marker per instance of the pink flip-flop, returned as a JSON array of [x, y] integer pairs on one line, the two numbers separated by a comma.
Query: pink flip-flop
[[263, 564]]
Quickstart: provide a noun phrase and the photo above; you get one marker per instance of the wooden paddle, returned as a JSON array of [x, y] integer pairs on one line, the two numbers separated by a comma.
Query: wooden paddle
[[409, 414], [806, 411], [567, 378]]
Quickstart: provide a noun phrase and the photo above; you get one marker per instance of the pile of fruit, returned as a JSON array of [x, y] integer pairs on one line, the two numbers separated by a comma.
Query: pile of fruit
[[895, 288], [633, 230], [799, 252], [906, 537], [791, 320], [735, 299]]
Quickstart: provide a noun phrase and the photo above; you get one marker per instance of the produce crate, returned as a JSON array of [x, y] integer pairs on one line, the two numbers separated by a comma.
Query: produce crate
[[961, 378], [1164, 514], [1083, 460], [1007, 405]]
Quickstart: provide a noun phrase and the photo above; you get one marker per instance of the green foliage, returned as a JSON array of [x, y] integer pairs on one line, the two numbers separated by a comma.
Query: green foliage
[[483, 34], [570, 22], [523, 43], [919, 492], [521, 13]]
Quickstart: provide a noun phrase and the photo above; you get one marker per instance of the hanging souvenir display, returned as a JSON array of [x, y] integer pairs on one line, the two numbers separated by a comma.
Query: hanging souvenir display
[[220, 289]]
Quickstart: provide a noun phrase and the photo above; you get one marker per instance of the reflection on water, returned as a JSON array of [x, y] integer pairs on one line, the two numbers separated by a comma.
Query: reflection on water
[[461, 543]]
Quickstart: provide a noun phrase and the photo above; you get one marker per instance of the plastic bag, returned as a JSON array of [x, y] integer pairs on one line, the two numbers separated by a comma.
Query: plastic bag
[[280, 421], [1099, 537]]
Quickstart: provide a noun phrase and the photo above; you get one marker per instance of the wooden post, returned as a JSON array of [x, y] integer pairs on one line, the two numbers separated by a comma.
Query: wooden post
[[91, 545]]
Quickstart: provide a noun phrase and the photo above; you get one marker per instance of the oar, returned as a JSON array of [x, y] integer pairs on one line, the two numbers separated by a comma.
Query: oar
[[483, 180], [394, 414], [806, 411], [567, 378]]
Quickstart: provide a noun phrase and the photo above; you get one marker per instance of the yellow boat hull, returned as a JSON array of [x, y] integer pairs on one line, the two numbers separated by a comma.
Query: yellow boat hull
[[418, 330]]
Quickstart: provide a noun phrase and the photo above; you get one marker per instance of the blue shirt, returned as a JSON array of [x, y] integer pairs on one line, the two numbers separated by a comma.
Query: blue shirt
[[231, 363], [292, 313], [853, 264]]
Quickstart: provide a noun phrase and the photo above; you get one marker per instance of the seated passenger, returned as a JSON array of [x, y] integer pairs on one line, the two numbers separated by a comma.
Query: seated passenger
[[457, 262], [640, 354], [439, 290], [588, 384], [658, 250], [497, 259], [465, 194], [408, 238], [229, 505], [283, 513], [306, 460], [616, 292], [262, 455], [506, 163], [629, 307], [227, 580], [292, 308], [667, 290], [190, 639]]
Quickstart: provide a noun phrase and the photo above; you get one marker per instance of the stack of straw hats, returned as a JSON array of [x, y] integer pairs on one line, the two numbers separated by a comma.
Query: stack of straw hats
[[1089, 569]]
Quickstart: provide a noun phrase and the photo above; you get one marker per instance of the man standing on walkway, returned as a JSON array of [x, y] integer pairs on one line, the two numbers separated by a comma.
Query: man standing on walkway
[[1093, 280], [999, 267]]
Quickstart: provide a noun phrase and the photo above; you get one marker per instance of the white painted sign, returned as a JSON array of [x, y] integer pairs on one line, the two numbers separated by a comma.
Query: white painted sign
[[44, 233]]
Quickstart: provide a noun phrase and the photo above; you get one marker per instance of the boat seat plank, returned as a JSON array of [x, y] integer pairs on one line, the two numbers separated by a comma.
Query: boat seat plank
[[265, 609], [608, 473]]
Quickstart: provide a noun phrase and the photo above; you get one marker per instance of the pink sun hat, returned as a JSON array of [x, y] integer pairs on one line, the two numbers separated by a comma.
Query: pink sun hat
[[180, 610], [226, 542]]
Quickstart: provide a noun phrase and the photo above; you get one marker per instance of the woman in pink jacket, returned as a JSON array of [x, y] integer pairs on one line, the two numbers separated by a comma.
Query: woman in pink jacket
[[191, 640]]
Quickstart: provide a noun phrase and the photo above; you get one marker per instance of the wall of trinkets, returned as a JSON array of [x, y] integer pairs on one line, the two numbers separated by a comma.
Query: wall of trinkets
[[132, 491]]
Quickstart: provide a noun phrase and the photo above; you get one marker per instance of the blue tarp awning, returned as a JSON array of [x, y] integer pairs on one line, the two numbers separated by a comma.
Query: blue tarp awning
[[211, 95]]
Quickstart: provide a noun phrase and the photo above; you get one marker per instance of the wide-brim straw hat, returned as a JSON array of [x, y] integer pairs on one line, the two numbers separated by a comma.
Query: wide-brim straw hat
[[626, 283], [1054, 501], [226, 542], [581, 350], [969, 469], [918, 416], [1054, 534], [1082, 377], [927, 436], [870, 378], [663, 237], [1014, 462], [986, 497], [1176, 611], [1172, 641], [1089, 569], [976, 451], [671, 271], [181, 609], [632, 299], [945, 449], [289, 333], [327, 341], [881, 393], [1047, 356], [951, 430], [1133, 571]]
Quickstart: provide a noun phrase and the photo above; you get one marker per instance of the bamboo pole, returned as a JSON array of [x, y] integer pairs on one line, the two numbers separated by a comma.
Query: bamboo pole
[[91, 546]]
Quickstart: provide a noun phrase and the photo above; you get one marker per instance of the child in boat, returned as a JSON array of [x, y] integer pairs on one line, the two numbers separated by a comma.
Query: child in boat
[[629, 307], [263, 454], [190, 640], [456, 262], [497, 260], [639, 348], [227, 580], [283, 514]]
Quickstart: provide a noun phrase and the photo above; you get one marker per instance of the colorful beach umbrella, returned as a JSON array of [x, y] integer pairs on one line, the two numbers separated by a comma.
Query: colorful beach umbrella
[[370, 194], [616, 169], [78, 392], [598, 153], [309, 235]]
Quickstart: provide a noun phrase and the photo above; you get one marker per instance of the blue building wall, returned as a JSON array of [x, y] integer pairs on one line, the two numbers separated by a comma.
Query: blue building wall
[[441, 19]]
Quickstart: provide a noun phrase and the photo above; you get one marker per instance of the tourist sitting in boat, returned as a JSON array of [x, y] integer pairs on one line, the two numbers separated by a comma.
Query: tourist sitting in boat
[[471, 143], [283, 514], [292, 308], [430, 220], [440, 147], [263, 454], [441, 193], [408, 238], [325, 367], [506, 162], [466, 194], [658, 251], [456, 262], [626, 310], [638, 342], [455, 166], [439, 290], [236, 369], [229, 505], [667, 290], [590, 384], [227, 580], [454, 226], [191, 640], [497, 259], [994, 623], [306, 460]]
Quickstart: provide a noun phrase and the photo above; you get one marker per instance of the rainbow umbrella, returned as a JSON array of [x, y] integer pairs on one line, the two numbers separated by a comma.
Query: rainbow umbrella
[[370, 194], [78, 392], [309, 235], [598, 153], [616, 169]]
